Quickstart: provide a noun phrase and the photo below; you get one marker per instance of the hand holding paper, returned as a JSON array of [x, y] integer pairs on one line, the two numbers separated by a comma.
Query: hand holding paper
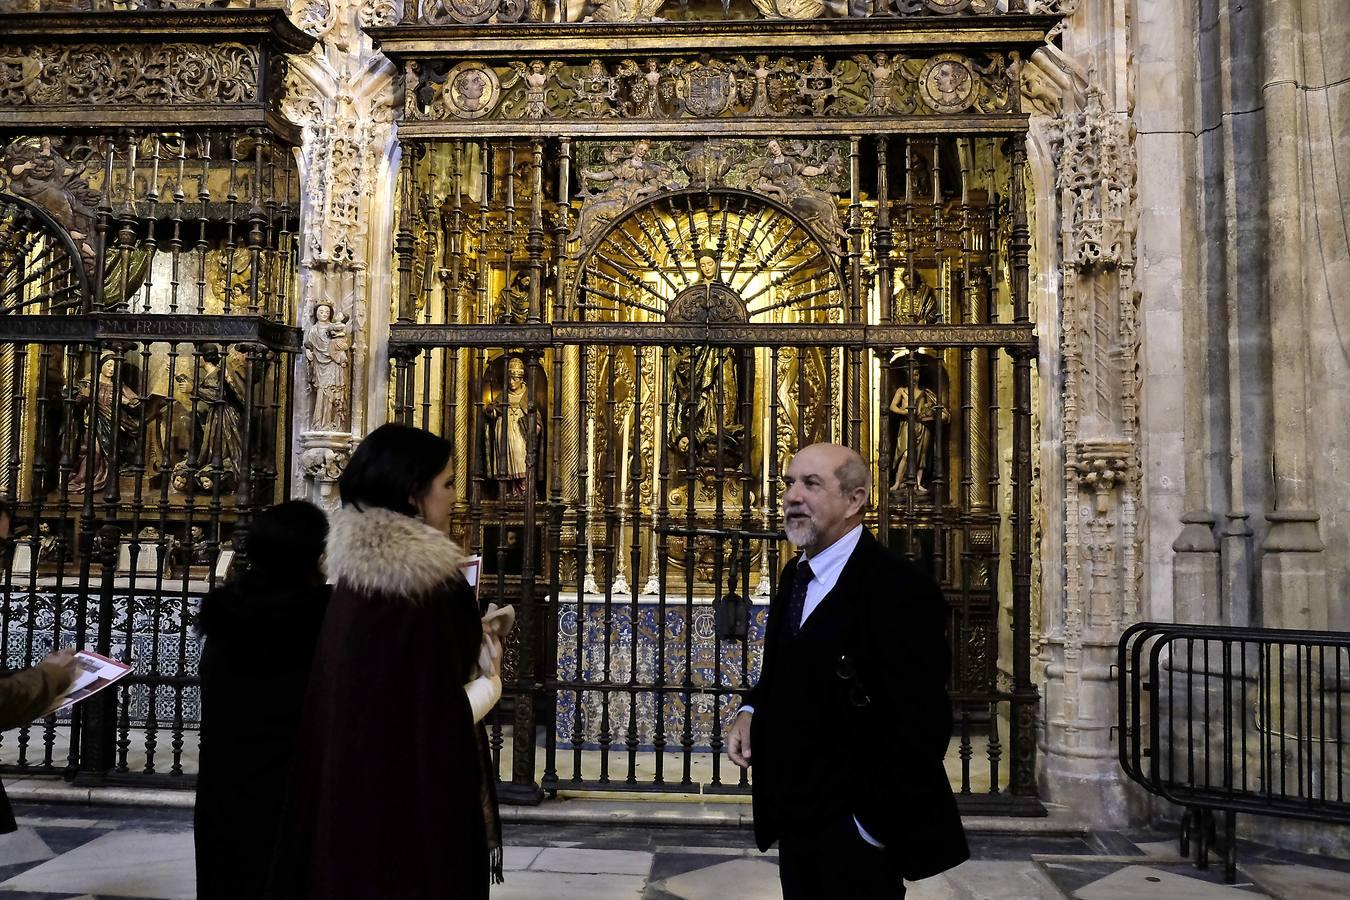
[[497, 624]]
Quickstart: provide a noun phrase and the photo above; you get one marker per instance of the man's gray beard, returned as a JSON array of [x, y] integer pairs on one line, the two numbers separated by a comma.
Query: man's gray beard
[[801, 532]]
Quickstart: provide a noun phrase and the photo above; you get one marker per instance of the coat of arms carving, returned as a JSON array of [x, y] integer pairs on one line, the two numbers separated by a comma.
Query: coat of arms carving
[[707, 87]]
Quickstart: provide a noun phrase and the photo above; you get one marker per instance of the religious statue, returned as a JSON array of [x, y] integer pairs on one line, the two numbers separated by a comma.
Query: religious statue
[[917, 411], [513, 303], [627, 181], [706, 430], [327, 346], [781, 175], [220, 410], [112, 426], [508, 433], [49, 547]]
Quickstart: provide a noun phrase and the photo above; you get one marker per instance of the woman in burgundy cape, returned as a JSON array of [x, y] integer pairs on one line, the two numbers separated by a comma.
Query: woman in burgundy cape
[[393, 795]]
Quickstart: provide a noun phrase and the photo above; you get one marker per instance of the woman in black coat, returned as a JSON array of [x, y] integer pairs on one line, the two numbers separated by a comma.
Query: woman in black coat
[[260, 631], [395, 796]]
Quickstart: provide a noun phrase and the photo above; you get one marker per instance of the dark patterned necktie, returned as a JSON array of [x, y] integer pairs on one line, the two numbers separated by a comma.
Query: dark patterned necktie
[[797, 603]]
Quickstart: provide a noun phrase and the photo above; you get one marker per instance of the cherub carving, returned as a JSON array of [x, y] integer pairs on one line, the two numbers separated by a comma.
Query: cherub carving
[[644, 88], [884, 79], [535, 76], [761, 84]]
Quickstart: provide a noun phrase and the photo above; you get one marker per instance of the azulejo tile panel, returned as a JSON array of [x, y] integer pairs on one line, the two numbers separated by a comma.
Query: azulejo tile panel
[[692, 697]]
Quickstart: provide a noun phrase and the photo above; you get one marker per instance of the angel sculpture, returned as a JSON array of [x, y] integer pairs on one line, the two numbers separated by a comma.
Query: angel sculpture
[[535, 76], [884, 77]]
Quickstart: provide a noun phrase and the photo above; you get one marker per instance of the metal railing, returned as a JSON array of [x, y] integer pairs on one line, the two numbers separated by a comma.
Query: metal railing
[[1236, 720]]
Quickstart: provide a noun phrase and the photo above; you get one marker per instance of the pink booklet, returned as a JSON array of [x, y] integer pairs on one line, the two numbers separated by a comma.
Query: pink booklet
[[94, 672]]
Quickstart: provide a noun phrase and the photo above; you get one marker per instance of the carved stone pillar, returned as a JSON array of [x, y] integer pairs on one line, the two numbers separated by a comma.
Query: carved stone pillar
[[1094, 179], [344, 95]]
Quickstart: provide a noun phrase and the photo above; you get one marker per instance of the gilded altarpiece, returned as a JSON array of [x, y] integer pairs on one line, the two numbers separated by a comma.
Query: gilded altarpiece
[[634, 276]]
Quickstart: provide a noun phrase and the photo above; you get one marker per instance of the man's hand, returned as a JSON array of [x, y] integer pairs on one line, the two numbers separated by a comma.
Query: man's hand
[[738, 740]]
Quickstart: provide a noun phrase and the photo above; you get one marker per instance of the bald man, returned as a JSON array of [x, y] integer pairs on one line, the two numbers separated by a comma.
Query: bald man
[[849, 722]]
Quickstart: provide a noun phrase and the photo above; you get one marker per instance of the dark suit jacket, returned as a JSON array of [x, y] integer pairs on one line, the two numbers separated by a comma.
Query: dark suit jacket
[[819, 754]]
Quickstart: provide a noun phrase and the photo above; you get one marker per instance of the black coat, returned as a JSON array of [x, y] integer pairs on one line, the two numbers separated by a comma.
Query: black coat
[[392, 796], [820, 752], [260, 638]]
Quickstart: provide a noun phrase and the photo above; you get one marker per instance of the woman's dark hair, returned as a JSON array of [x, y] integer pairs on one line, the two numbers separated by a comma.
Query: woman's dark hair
[[391, 466], [286, 540]]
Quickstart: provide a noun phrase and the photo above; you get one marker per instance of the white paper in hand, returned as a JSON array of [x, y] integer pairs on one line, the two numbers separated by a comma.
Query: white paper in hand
[[94, 672]]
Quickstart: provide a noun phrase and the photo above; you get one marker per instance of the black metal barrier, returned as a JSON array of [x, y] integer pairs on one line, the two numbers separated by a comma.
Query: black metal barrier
[[1236, 720]]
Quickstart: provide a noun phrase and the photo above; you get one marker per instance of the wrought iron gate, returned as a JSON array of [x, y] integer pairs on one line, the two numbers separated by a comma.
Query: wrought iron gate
[[626, 376], [147, 331]]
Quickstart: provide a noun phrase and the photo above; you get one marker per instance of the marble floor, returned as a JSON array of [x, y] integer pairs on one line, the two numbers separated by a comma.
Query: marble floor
[[69, 852]]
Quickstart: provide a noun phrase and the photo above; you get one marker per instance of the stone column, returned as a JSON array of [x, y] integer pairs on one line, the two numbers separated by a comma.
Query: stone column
[[1293, 569], [344, 95]]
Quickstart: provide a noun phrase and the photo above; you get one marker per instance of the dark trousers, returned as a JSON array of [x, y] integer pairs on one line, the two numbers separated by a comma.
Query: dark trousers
[[835, 861]]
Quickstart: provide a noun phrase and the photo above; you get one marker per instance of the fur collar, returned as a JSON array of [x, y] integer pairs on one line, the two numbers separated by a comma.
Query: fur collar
[[377, 550]]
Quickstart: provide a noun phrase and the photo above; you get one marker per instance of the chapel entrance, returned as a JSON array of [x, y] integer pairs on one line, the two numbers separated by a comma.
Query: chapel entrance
[[628, 339]]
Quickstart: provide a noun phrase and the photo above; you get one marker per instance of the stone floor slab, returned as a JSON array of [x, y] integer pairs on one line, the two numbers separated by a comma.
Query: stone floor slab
[[593, 862], [569, 886], [1136, 882], [130, 863], [1301, 882], [23, 846], [736, 879], [517, 859], [995, 880]]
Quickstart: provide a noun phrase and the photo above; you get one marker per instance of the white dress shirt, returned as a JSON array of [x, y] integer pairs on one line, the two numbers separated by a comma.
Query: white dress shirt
[[826, 567]]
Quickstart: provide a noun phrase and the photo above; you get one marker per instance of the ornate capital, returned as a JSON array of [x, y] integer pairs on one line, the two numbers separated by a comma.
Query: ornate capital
[[1096, 181], [1102, 467]]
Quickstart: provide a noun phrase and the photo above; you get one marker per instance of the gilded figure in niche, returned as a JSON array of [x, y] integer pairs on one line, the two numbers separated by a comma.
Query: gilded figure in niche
[[917, 409], [220, 410], [710, 384], [327, 350], [781, 175], [513, 303], [112, 424], [506, 408]]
